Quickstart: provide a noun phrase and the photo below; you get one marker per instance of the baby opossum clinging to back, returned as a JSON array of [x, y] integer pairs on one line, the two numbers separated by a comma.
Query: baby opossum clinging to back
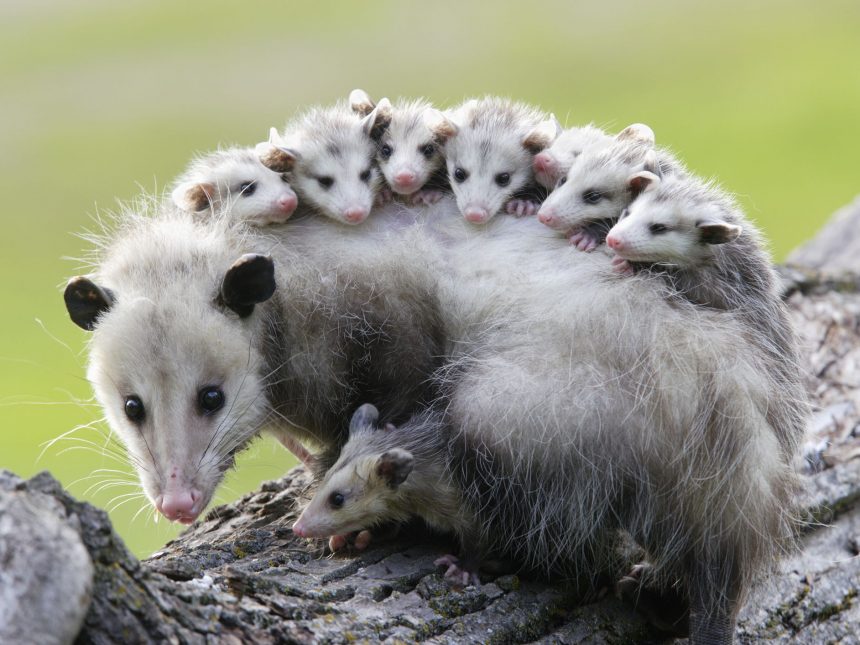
[[552, 164], [234, 181], [411, 136], [490, 157], [328, 156], [601, 183]]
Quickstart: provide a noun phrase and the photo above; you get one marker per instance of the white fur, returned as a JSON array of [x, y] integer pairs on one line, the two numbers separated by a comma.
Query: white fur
[[571, 143]]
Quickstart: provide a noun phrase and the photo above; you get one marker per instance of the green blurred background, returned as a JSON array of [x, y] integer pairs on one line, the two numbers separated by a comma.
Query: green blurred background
[[101, 98]]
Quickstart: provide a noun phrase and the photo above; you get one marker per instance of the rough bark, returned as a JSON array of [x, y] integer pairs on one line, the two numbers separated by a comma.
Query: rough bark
[[241, 576]]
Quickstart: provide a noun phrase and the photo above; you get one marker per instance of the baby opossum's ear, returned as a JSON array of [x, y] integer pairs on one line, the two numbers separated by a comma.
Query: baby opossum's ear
[[394, 466], [642, 182], [542, 135], [365, 417], [194, 197], [274, 155], [360, 102], [440, 125], [717, 232], [637, 132], [376, 123], [86, 301], [249, 281]]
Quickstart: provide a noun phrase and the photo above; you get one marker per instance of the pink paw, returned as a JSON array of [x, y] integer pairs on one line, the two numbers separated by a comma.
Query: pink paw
[[622, 266], [383, 197], [426, 197], [456, 574], [584, 241], [360, 541], [522, 207]]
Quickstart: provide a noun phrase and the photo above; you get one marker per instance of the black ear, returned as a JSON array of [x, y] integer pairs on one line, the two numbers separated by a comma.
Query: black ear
[[366, 415], [249, 281], [716, 232], [86, 301], [394, 466]]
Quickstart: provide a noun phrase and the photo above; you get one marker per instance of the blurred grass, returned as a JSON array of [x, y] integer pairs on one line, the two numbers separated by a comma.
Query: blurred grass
[[98, 97]]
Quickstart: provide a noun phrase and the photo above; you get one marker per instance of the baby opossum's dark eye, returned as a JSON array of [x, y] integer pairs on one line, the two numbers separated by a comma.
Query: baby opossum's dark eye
[[460, 175], [365, 176], [656, 229], [335, 500], [503, 179], [592, 196], [385, 151], [428, 150], [247, 188], [624, 214], [562, 181], [210, 399], [134, 409], [326, 182], [285, 179]]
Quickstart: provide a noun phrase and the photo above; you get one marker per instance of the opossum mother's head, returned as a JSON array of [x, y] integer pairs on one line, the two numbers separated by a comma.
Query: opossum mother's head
[[174, 364]]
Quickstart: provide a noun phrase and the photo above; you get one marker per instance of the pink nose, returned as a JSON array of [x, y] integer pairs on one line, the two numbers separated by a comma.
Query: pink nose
[[179, 505], [355, 215], [614, 243], [298, 529], [547, 216], [544, 162], [476, 214], [287, 203], [404, 178]]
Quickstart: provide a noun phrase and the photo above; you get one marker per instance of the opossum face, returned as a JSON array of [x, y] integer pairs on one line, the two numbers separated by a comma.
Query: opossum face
[[669, 231], [411, 148], [552, 164], [240, 186], [594, 190], [360, 491], [179, 380]]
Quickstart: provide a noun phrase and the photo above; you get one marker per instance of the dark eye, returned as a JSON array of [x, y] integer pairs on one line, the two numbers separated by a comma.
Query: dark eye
[[428, 150], [326, 182], [460, 175], [592, 196], [335, 500], [656, 229], [285, 179], [210, 399], [562, 181], [134, 408], [365, 176], [624, 214], [385, 151], [503, 179], [247, 188]]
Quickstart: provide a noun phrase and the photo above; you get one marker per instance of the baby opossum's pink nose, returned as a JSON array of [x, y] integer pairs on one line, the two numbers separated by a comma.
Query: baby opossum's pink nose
[[179, 505], [355, 215], [298, 529], [547, 216], [405, 179], [544, 162], [287, 203], [476, 214], [614, 243]]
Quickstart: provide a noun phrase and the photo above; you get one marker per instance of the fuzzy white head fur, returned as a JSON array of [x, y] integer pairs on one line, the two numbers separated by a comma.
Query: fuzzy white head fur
[[552, 164], [234, 181]]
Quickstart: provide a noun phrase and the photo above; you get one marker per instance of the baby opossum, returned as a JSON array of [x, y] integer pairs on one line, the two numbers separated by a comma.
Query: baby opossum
[[489, 159], [234, 181], [390, 474], [328, 156], [552, 164], [601, 183], [694, 236], [411, 142]]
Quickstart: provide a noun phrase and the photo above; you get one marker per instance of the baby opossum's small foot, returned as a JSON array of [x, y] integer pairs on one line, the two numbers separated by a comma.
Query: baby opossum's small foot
[[359, 541], [622, 266], [458, 574], [584, 241], [426, 197], [522, 207], [383, 197]]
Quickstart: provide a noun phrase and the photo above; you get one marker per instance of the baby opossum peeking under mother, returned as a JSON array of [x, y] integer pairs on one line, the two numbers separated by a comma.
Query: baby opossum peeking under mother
[[234, 181]]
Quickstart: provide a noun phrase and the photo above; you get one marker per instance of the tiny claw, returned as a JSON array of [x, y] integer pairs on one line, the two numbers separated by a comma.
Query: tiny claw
[[362, 540], [337, 542], [576, 238]]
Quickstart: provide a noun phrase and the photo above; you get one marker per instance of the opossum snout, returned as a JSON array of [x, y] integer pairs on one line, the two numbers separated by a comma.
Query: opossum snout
[[476, 214], [544, 162], [405, 179], [299, 529], [180, 505], [355, 215], [287, 203], [615, 243], [548, 217]]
